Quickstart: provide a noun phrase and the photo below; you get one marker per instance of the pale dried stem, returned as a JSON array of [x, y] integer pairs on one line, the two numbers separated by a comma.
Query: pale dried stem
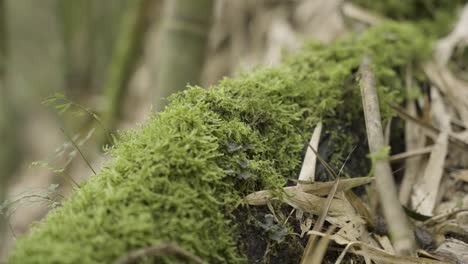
[[308, 257], [399, 227], [310, 160], [411, 154], [414, 141]]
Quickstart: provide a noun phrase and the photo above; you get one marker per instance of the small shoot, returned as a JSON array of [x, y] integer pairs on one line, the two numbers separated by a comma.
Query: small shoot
[[62, 104]]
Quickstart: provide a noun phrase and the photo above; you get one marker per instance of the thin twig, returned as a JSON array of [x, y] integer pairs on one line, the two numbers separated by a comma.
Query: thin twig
[[429, 129], [410, 154], [307, 256], [435, 219], [79, 150], [399, 227], [158, 251]]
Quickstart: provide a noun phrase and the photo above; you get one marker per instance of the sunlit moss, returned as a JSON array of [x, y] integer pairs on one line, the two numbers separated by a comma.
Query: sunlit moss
[[178, 178]]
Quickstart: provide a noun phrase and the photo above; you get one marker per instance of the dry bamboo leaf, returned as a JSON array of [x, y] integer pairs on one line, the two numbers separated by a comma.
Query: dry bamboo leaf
[[316, 188], [385, 243], [308, 256], [462, 218], [345, 250], [452, 227], [353, 224], [305, 226], [425, 191], [454, 250], [310, 160], [314, 204], [443, 216], [352, 227], [424, 254], [461, 175], [380, 255], [360, 207], [459, 35], [377, 254], [317, 256]]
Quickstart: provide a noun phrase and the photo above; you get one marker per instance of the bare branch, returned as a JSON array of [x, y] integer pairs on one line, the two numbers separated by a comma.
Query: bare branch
[[399, 227]]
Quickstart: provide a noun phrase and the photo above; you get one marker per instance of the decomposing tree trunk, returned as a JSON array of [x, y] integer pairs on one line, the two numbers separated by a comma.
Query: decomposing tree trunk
[[178, 179], [186, 26]]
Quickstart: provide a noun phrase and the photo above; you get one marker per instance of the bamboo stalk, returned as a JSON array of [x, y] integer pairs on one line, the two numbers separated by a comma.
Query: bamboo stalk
[[126, 53], [399, 227], [184, 38], [77, 36]]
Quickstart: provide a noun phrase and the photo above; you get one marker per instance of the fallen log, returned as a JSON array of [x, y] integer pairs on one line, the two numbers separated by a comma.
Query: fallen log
[[178, 179]]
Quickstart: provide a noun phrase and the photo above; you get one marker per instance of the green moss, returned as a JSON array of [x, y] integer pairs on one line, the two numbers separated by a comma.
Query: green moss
[[434, 17], [178, 178]]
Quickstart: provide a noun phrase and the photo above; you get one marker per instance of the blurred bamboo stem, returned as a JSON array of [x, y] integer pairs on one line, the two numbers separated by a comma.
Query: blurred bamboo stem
[[185, 30], [9, 151], [76, 20], [3, 122], [413, 141], [399, 227], [126, 53]]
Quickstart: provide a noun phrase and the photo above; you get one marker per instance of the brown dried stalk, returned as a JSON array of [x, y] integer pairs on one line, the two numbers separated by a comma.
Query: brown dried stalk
[[399, 227]]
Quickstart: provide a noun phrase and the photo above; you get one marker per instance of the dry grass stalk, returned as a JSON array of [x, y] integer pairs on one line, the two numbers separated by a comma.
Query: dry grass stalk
[[308, 256], [410, 154], [430, 130], [310, 160], [425, 192], [461, 175], [374, 253], [454, 249], [319, 253], [413, 141], [399, 227]]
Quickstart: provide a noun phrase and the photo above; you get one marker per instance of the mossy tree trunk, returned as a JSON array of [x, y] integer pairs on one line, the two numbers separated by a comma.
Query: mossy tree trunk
[[186, 26], [179, 178]]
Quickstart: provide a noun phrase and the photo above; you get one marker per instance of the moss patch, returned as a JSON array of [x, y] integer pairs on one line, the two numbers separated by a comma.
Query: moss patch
[[180, 176], [434, 17]]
